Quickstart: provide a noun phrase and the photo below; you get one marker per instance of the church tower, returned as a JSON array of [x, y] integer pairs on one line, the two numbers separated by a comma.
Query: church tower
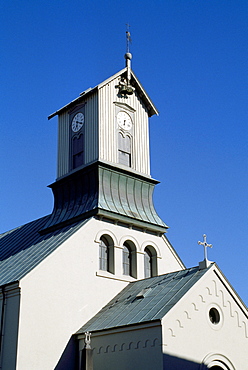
[[103, 165]]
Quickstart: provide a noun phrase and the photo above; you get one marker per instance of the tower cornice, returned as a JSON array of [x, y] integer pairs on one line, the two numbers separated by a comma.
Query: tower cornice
[[103, 190]]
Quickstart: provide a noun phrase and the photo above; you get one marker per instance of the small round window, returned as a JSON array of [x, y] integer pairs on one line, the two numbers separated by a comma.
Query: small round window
[[214, 316]]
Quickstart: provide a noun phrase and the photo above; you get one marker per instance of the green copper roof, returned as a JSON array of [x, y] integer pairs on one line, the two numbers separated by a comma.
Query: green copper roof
[[144, 300], [104, 190], [128, 195]]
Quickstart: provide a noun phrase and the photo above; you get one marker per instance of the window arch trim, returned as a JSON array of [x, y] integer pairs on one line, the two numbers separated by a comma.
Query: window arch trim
[[149, 243], [220, 360], [108, 235], [132, 240]]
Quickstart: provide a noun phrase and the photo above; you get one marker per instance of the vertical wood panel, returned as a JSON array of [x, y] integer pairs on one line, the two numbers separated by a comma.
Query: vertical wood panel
[[107, 128], [63, 145], [91, 129]]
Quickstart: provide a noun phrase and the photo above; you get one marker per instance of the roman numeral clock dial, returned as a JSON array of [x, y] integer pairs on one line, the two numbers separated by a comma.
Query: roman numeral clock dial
[[77, 122]]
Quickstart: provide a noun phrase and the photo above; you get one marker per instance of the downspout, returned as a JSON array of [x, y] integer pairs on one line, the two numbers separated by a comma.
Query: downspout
[[2, 322]]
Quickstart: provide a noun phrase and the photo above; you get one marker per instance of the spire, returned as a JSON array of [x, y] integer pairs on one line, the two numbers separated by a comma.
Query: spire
[[128, 55], [128, 38], [125, 87]]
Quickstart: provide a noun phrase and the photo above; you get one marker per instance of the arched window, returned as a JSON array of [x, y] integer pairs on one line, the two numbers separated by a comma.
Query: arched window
[[129, 260], [103, 254], [78, 151], [124, 149], [106, 255], [150, 262]]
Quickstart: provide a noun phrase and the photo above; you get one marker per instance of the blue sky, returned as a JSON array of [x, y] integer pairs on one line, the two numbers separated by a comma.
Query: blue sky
[[192, 59]]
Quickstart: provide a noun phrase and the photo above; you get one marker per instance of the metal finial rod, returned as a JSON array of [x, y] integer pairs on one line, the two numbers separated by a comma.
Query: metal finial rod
[[128, 38], [205, 245]]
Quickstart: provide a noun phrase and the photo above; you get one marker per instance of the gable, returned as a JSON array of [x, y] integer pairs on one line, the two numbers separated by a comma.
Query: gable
[[209, 325], [134, 81]]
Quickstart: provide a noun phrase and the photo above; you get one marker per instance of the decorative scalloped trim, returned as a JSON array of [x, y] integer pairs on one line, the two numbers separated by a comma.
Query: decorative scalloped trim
[[128, 346], [202, 300]]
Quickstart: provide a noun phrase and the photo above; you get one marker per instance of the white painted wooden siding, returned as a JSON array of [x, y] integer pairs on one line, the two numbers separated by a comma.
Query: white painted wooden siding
[[91, 129], [108, 140], [101, 133], [91, 136], [63, 144]]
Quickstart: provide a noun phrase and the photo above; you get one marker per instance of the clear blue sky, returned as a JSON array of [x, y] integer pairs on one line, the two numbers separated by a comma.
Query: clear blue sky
[[192, 59]]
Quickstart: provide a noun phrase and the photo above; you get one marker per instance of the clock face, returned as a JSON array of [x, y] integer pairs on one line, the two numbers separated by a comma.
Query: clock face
[[124, 121], [77, 122]]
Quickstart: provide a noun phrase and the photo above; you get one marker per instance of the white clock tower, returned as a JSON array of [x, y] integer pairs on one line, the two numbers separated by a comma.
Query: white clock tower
[[103, 155]]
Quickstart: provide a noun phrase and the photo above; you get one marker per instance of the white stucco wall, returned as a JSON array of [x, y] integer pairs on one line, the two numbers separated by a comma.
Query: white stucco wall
[[189, 334], [67, 289]]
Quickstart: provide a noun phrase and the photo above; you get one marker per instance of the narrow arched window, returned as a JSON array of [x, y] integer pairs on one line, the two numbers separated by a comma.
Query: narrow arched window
[[127, 259], [124, 149], [106, 254], [78, 151], [150, 262], [103, 254]]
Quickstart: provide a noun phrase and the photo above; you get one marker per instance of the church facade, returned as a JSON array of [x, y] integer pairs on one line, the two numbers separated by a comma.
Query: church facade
[[98, 277]]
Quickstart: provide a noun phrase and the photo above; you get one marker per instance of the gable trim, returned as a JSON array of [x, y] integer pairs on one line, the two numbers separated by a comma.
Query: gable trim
[[217, 359], [233, 294]]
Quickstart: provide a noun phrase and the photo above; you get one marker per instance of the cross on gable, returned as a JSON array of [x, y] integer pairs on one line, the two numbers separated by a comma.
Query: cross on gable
[[205, 245]]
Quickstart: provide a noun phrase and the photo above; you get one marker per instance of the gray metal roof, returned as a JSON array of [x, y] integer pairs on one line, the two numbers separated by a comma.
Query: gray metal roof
[[144, 300], [23, 248]]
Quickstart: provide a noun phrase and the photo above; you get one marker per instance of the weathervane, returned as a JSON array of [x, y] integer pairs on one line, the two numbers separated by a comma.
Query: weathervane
[[205, 263]]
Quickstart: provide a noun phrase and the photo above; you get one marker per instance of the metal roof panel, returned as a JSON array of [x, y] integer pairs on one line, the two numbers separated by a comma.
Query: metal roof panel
[[130, 307], [23, 248]]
